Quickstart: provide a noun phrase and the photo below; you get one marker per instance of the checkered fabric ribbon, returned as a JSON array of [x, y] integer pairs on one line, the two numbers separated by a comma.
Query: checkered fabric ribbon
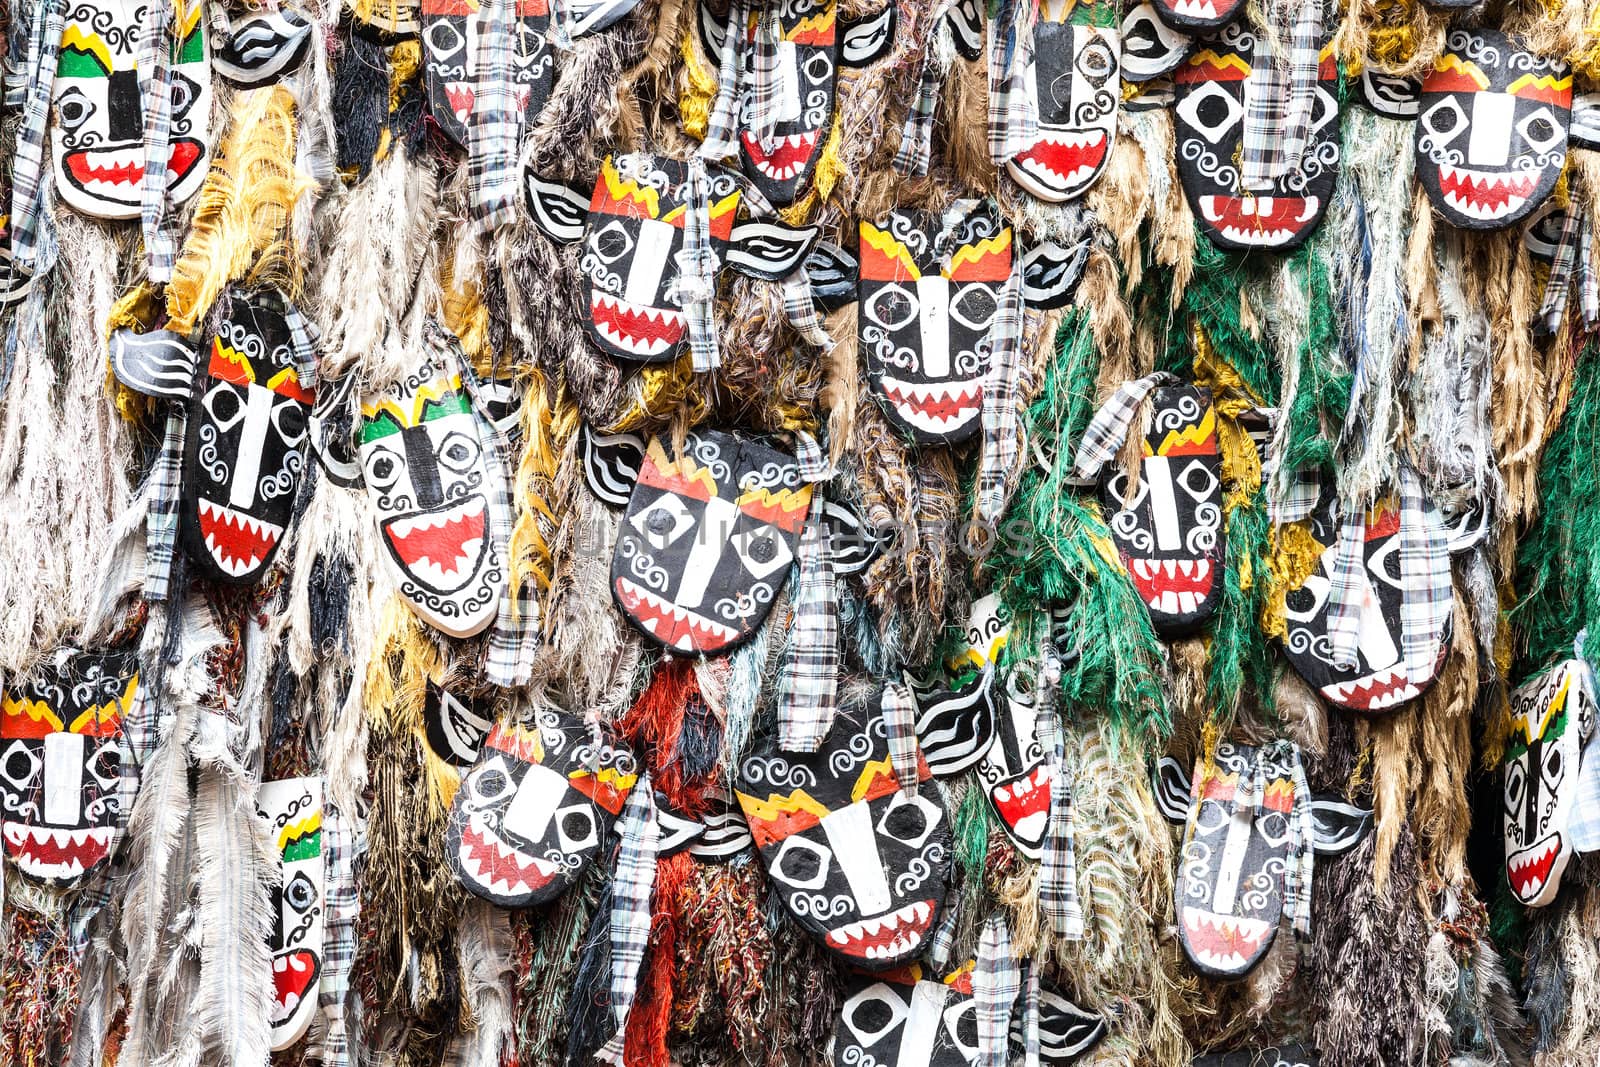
[[996, 981], [1058, 867], [900, 725], [1107, 432], [1001, 417], [155, 92], [1293, 495], [165, 487], [943, 941], [495, 127], [515, 636], [140, 736], [770, 95], [631, 887], [1571, 257], [1031, 1045], [303, 340], [29, 175], [808, 684], [916, 136], [341, 845], [1302, 833], [1344, 591], [722, 125], [798, 303], [1279, 98], [696, 286], [1427, 595], [1013, 104]]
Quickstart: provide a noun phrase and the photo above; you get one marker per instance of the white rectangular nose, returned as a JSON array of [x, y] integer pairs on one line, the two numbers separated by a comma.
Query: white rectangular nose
[[855, 849], [63, 779], [1377, 643], [933, 294], [1157, 474], [710, 539], [649, 262], [1489, 132], [247, 465], [538, 796]]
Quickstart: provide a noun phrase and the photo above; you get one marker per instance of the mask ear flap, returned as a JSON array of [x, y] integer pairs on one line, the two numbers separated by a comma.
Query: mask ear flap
[[611, 464], [557, 208], [331, 445], [966, 28], [955, 727], [769, 250], [869, 39], [713, 32], [1339, 826], [1172, 790], [262, 47], [854, 543], [833, 272], [1050, 274], [592, 16], [159, 363]]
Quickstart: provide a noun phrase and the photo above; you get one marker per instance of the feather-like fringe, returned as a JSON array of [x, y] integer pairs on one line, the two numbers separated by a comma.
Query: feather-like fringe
[[486, 946]]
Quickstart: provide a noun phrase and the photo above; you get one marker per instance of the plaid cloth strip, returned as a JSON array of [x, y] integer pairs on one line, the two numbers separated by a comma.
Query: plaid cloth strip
[[766, 98], [1554, 306], [140, 736], [161, 523], [900, 723], [29, 176], [1058, 867], [996, 981], [1279, 98], [1302, 836], [722, 125], [1002, 421], [1427, 593], [1031, 1045], [943, 941], [631, 887], [303, 340], [1588, 282], [1013, 106], [341, 845], [808, 684], [916, 136], [1293, 495], [798, 304], [496, 124], [1305, 60], [1108, 430], [1345, 588], [696, 284], [155, 92]]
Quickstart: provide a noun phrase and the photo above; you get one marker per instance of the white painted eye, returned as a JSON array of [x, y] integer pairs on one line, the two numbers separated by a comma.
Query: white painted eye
[[1305, 603], [819, 68], [1444, 121], [103, 764], [575, 827], [458, 452], [1198, 481], [611, 242], [73, 109], [801, 863], [873, 1013], [1516, 785], [1385, 563], [488, 784], [1273, 826], [974, 306], [663, 522], [1211, 816], [224, 405], [961, 1023], [1552, 768], [383, 467], [300, 894], [444, 40], [19, 764], [1096, 61], [1540, 130], [289, 417], [1212, 112], [892, 307], [910, 820], [762, 550], [1117, 485]]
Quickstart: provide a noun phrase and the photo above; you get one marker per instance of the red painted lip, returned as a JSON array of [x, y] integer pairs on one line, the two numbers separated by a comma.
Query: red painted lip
[[294, 976], [1529, 870], [112, 165], [674, 626], [1269, 222], [1485, 194], [1064, 161], [635, 328], [1024, 804], [886, 938], [786, 157], [238, 543], [1377, 691], [497, 868], [56, 853], [1224, 943], [1157, 579], [437, 547], [934, 407]]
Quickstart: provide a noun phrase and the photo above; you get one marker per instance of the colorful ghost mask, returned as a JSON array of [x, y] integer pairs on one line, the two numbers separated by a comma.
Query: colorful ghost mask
[[435, 483], [861, 865], [60, 738], [905, 1020], [1491, 131], [1380, 679], [631, 231], [1169, 529], [1077, 86], [929, 293], [292, 808], [1550, 717], [707, 540], [97, 136], [1015, 776], [536, 808], [450, 31], [1248, 828], [1213, 88], [806, 45]]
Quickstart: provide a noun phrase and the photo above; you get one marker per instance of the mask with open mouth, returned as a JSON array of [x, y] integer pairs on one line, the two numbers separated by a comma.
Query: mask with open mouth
[[244, 448], [1379, 681], [906, 1020], [928, 297], [1211, 91], [292, 808], [1550, 716], [707, 540], [1077, 85], [450, 60], [631, 233], [1169, 533], [1491, 129], [862, 866], [428, 463], [455, 725], [1239, 845], [536, 808], [60, 738], [1014, 774], [97, 135], [1198, 18]]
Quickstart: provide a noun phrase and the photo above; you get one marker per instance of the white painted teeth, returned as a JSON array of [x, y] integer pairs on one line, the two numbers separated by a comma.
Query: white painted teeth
[[783, 146], [902, 942], [1392, 689], [265, 534], [666, 610], [667, 319], [1196, 9]]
